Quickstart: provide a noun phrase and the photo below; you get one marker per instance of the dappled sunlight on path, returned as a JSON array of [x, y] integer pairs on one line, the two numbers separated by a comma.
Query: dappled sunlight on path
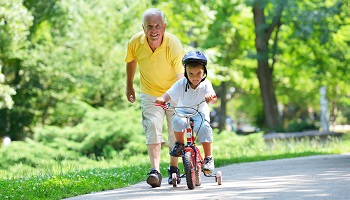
[[314, 177]]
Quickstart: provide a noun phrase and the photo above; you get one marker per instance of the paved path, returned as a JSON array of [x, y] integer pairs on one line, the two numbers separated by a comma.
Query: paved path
[[313, 177]]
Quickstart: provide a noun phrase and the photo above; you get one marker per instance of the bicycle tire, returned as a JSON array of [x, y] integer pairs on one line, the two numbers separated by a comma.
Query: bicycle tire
[[174, 178], [189, 166]]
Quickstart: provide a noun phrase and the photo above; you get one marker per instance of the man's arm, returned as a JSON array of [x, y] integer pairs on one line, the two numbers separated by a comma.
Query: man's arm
[[130, 74]]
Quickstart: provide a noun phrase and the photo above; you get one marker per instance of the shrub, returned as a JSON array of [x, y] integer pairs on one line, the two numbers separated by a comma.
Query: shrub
[[101, 133], [30, 153]]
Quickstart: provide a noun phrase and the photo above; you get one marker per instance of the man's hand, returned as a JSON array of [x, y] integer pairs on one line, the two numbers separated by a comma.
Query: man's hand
[[130, 95], [130, 72]]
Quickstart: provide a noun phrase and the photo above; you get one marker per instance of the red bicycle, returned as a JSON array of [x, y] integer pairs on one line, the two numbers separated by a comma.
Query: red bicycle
[[191, 157]]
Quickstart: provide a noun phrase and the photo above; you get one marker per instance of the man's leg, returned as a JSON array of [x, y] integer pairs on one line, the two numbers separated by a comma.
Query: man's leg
[[152, 121], [154, 155], [171, 137]]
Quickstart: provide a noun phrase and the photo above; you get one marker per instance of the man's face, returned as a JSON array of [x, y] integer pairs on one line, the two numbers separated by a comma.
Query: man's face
[[154, 28]]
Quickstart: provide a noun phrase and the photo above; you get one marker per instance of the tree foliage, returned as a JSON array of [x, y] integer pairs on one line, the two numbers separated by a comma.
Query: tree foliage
[[15, 22], [55, 53]]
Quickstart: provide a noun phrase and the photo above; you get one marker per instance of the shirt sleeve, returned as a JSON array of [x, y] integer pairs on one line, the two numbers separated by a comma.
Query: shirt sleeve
[[175, 90], [129, 54], [177, 53], [132, 47]]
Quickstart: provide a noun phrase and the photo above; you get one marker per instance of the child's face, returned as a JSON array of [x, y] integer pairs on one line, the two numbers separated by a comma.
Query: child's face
[[195, 73]]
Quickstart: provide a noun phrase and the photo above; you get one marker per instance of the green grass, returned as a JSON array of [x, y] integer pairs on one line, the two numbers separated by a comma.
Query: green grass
[[67, 178]]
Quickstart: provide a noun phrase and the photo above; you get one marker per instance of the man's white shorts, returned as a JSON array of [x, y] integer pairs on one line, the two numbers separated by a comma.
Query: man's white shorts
[[153, 120]]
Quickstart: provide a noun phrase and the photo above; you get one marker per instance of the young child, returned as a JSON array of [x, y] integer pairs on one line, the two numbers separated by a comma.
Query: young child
[[189, 91]]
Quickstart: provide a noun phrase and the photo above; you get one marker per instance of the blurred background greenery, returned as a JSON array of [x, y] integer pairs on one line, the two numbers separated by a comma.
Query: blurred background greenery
[[62, 69]]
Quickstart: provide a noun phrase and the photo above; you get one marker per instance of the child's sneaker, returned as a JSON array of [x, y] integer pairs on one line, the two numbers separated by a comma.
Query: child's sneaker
[[154, 178], [172, 170], [208, 166], [176, 151]]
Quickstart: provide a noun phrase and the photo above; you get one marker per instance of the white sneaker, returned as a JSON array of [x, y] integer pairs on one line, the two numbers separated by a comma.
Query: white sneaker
[[208, 166]]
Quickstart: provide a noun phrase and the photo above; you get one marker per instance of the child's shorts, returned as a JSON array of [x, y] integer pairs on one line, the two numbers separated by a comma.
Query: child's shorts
[[201, 126]]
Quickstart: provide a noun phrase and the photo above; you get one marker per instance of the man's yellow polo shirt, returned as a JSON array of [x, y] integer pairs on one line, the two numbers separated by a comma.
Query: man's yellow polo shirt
[[158, 69]]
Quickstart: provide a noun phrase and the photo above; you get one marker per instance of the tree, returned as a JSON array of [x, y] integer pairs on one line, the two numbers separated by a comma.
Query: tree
[[263, 32], [5, 93], [225, 36], [316, 55], [15, 21], [70, 51]]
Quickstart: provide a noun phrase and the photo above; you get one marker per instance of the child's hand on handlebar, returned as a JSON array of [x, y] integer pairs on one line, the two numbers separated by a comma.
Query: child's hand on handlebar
[[160, 101], [210, 98]]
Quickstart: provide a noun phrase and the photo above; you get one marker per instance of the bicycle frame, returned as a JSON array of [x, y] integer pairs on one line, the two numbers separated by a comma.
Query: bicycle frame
[[192, 164], [191, 156], [191, 144]]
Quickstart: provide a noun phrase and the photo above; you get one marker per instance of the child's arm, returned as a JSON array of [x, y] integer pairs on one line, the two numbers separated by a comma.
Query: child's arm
[[211, 98], [163, 99]]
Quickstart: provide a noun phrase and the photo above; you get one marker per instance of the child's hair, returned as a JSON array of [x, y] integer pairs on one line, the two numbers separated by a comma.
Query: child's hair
[[194, 64]]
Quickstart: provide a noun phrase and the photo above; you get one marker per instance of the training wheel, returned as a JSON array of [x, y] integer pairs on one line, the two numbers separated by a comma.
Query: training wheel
[[174, 178], [218, 177]]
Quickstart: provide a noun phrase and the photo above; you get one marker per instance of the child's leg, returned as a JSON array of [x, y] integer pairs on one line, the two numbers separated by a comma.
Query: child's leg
[[176, 150], [204, 132], [207, 149], [208, 166], [179, 136], [179, 126]]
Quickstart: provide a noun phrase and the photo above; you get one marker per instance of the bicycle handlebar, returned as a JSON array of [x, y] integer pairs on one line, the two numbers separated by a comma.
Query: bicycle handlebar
[[169, 106]]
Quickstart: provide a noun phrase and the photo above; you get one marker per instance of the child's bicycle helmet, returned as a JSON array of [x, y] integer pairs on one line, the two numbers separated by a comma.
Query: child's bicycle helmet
[[195, 56]]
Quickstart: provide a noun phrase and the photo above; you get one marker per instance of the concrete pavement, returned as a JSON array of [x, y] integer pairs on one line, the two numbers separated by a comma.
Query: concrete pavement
[[313, 177]]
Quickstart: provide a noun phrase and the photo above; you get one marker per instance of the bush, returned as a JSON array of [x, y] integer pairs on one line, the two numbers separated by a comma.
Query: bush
[[32, 154], [101, 133], [300, 125]]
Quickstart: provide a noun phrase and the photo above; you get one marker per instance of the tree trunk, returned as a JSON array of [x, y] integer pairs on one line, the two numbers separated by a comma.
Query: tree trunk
[[268, 95], [223, 102], [264, 71]]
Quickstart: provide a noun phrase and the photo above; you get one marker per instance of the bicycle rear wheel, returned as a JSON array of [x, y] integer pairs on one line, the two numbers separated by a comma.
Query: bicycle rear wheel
[[190, 170]]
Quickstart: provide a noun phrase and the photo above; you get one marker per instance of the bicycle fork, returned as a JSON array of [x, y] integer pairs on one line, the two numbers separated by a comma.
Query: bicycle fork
[[191, 145]]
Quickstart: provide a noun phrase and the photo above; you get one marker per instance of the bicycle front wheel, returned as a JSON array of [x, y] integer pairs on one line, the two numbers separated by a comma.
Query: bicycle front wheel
[[190, 170]]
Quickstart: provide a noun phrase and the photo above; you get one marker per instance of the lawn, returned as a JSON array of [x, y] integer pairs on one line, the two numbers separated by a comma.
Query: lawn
[[68, 176]]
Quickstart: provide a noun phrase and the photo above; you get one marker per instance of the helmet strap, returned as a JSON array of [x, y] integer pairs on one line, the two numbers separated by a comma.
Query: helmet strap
[[188, 81], [205, 74]]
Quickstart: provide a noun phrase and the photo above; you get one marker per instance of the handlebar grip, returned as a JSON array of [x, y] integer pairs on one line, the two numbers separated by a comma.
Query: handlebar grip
[[162, 105]]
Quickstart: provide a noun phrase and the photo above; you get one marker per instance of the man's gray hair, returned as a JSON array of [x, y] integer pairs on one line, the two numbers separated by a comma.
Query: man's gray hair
[[153, 11]]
